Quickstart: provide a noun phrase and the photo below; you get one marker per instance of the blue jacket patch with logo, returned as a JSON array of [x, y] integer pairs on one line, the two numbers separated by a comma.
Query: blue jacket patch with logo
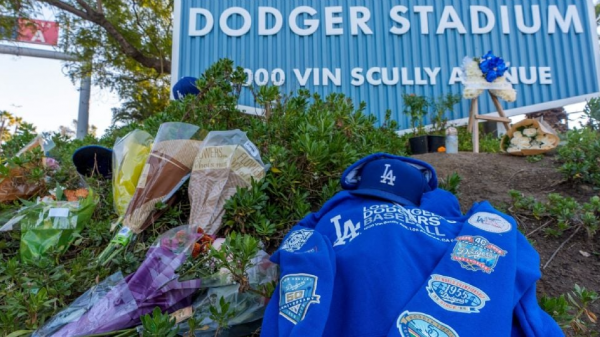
[[366, 267]]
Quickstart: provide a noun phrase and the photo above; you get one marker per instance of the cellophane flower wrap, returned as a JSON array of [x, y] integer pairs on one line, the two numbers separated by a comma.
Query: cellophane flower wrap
[[486, 73], [14, 180], [130, 154], [247, 306], [49, 225], [529, 137], [80, 306], [227, 160], [168, 167], [154, 284]]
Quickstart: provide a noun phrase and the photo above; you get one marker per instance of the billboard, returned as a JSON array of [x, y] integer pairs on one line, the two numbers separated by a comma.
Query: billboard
[[373, 50], [34, 31], [37, 31]]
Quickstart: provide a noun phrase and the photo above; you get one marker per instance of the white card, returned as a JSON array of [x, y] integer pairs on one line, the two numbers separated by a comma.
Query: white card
[[58, 212]]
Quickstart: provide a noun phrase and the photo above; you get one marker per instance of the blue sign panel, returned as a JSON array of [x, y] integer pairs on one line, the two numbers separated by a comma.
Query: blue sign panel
[[373, 50]]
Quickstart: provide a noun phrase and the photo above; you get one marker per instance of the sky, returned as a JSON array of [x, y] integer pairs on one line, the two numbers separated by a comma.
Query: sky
[[39, 91]]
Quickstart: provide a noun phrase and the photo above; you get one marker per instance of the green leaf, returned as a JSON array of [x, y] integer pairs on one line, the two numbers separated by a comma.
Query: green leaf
[[20, 333]]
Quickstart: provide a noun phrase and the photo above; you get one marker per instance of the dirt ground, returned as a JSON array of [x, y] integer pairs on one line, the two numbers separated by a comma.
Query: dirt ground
[[487, 176]]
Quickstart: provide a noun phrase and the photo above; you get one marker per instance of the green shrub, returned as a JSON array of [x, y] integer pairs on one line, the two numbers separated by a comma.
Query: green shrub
[[592, 112], [306, 140], [451, 183], [158, 324], [417, 108], [487, 141], [440, 106], [560, 213], [572, 312], [580, 157]]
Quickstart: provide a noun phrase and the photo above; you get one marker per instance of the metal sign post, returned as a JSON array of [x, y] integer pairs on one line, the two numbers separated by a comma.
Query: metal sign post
[[84, 90]]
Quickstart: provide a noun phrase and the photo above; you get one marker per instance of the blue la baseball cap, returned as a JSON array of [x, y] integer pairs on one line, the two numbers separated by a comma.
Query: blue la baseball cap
[[92, 159], [185, 86], [392, 180], [411, 178]]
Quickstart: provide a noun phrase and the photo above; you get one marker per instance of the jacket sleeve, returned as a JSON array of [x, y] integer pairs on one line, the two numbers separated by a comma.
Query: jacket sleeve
[[529, 319], [300, 303], [532, 320]]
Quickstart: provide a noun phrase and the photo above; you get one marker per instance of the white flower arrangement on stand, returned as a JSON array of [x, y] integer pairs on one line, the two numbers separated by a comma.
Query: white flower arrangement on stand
[[486, 73]]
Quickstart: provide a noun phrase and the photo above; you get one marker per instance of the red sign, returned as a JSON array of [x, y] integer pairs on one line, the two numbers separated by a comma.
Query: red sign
[[38, 31]]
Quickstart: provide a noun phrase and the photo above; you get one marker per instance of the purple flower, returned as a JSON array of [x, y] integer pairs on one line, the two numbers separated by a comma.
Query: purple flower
[[154, 284]]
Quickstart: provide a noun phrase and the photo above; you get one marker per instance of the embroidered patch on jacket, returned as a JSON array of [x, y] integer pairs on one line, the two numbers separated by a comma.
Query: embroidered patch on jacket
[[476, 253], [417, 324], [454, 295], [296, 293], [296, 240], [490, 222]]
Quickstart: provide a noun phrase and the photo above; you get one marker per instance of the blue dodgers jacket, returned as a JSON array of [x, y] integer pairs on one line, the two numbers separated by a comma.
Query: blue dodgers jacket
[[366, 267]]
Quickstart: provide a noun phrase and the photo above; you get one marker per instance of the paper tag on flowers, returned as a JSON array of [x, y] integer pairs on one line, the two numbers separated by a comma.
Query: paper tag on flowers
[[182, 314], [58, 213], [123, 237], [230, 157]]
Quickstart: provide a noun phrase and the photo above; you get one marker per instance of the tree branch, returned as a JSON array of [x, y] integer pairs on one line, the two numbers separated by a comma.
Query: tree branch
[[161, 65], [99, 6], [85, 6]]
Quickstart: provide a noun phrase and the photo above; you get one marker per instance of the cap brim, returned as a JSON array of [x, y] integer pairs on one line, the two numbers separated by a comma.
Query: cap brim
[[379, 194]]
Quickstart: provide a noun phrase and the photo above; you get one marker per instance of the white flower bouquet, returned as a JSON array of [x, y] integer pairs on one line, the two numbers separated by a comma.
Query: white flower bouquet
[[529, 137], [486, 73]]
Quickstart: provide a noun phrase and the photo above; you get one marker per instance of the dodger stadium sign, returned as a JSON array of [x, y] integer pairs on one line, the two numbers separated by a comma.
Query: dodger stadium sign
[[374, 50]]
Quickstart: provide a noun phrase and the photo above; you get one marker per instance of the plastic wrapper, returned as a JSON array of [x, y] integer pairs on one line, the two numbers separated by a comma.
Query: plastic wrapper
[[168, 167], [130, 154], [227, 160], [41, 141], [154, 284], [529, 137], [80, 306], [50, 225], [14, 184], [247, 306]]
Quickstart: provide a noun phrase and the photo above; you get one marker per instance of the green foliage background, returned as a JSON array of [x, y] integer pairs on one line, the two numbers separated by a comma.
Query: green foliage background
[[307, 140]]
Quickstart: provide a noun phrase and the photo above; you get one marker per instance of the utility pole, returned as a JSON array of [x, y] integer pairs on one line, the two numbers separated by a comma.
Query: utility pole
[[84, 90], [84, 107]]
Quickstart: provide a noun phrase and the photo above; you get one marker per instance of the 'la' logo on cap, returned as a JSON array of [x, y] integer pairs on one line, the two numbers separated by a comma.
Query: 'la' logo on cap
[[388, 176]]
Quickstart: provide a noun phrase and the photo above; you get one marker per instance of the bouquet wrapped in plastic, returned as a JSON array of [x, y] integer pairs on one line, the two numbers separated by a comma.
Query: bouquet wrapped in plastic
[[130, 154], [51, 225], [247, 307], [154, 284], [167, 168], [14, 182], [227, 160], [80, 306], [529, 137]]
